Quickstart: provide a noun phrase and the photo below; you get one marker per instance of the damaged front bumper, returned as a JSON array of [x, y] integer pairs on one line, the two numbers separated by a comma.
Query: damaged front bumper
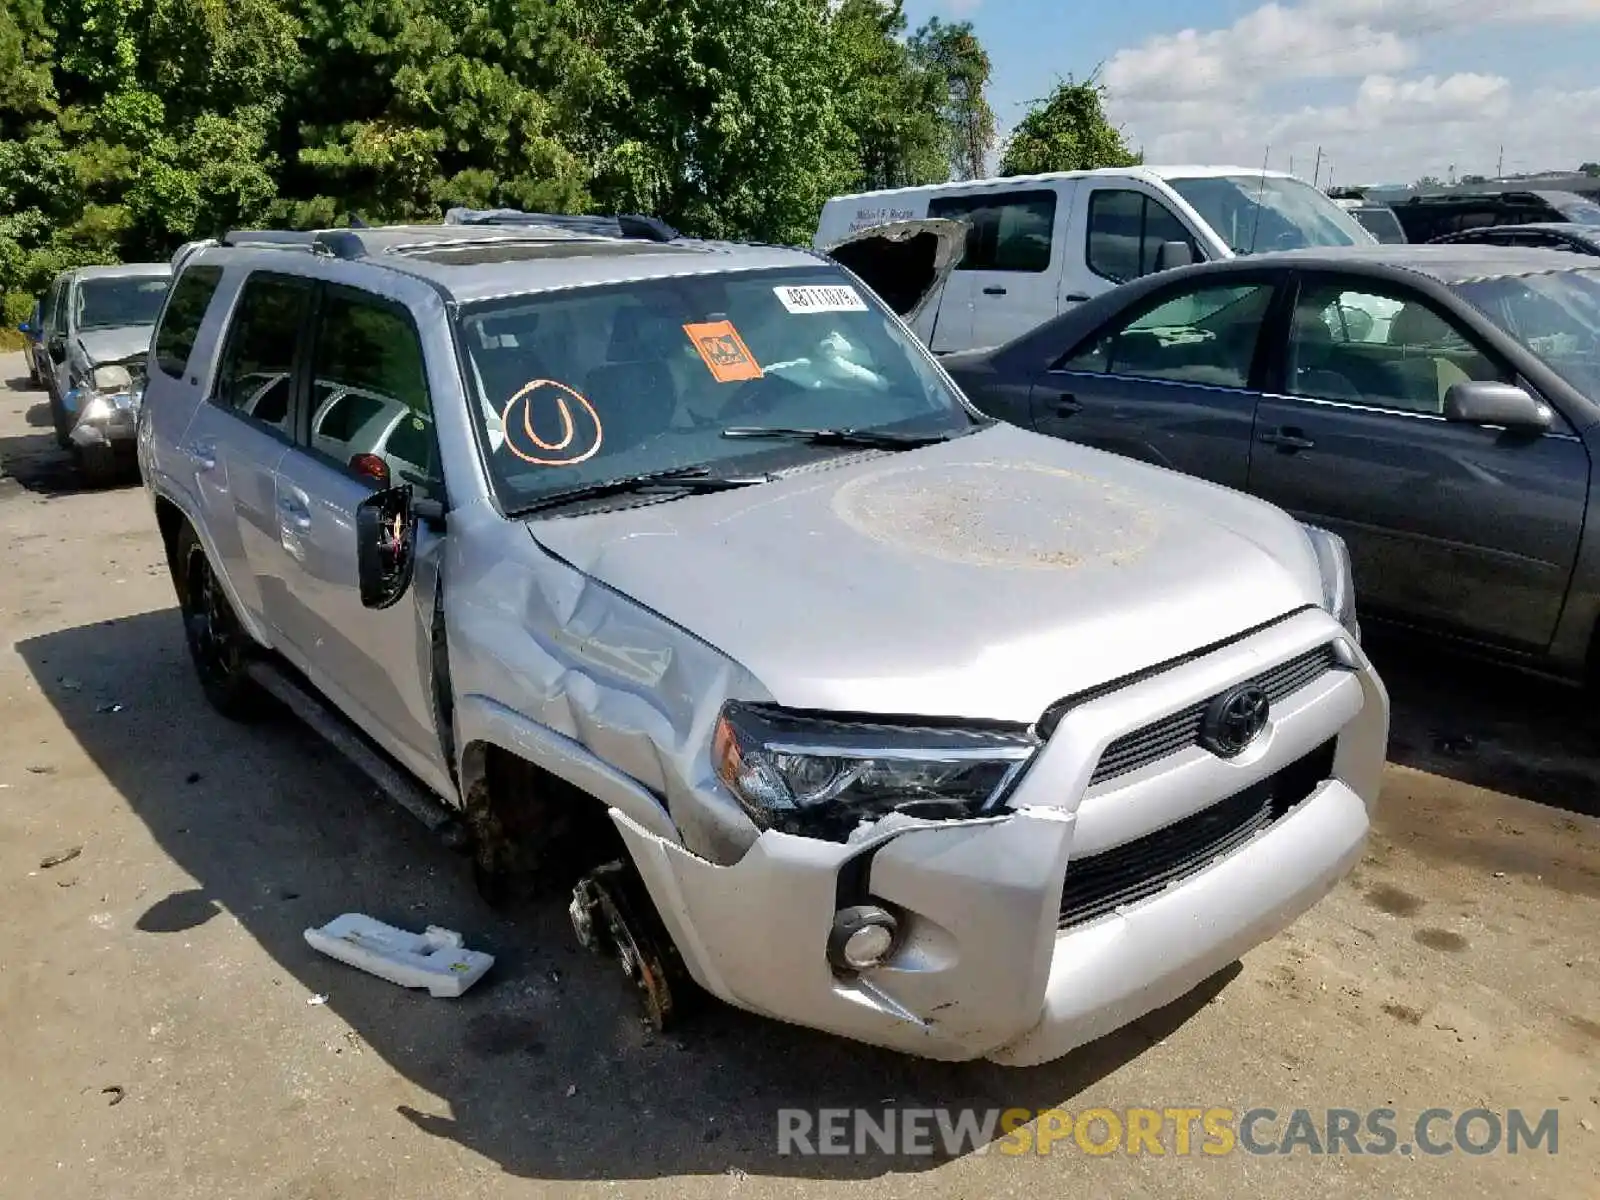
[[105, 421], [1091, 901]]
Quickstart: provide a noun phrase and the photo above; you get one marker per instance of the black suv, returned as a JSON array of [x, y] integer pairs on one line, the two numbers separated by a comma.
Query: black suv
[[1425, 218]]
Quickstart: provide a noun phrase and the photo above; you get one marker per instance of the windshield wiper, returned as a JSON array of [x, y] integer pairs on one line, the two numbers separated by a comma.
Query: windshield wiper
[[873, 439], [688, 480]]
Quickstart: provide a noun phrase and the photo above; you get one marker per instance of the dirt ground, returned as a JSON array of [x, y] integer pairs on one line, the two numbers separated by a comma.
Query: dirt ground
[[1457, 969]]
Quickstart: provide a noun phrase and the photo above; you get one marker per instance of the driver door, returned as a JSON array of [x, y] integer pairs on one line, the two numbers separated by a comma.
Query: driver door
[[1468, 528], [373, 427]]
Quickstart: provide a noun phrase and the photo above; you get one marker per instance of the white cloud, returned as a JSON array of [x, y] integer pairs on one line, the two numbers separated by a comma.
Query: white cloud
[[1224, 95]]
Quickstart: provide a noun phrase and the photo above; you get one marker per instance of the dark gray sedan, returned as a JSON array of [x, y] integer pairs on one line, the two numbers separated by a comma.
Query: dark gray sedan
[[1437, 406]]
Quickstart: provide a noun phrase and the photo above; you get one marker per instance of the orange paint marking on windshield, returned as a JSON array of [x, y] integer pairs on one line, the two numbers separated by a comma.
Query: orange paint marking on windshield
[[726, 356], [586, 446]]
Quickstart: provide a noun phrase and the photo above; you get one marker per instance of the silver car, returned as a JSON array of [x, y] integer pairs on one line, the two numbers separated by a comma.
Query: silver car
[[96, 327], [688, 578]]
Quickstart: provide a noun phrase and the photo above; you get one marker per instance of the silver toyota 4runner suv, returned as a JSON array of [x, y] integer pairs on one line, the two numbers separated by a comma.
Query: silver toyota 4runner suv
[[681, 571]]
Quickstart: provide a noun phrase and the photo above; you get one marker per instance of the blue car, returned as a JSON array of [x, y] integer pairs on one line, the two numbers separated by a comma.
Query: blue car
[[33, 330]]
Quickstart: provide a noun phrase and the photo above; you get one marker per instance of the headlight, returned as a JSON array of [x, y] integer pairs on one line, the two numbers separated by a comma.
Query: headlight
[[1338, 585], [98, 408], [821, 778]]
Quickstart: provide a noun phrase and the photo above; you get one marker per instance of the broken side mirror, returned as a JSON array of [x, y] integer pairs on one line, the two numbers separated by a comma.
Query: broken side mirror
[[1174, 254], [1480, 402], [57, 347], [386, 545]]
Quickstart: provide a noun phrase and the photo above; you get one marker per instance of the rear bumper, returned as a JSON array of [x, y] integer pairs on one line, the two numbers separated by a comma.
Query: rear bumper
[[983, 969]]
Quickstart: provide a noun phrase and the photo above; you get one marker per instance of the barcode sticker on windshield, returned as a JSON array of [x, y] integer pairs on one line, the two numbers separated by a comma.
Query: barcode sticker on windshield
[[821, 299]]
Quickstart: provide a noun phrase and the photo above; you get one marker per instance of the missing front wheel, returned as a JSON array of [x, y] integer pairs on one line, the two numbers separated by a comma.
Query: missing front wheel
[[612, 915]]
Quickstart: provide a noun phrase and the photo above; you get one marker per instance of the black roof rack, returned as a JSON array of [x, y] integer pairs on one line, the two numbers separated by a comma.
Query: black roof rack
[[627, 225]]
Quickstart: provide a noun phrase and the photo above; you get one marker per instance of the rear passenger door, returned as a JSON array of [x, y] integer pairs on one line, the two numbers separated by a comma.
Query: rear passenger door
[[1006, 282], [236, 438], [1171, 381], [367, 422], [1468, 528]]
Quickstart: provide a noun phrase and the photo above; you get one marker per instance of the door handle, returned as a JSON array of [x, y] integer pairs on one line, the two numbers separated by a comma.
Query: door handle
[[1076, 297], [994, 291], [1068, 406], [1288, 440], [296, 511], [203, 454]]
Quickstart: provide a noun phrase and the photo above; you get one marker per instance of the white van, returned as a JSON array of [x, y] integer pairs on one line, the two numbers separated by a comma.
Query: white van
[[1038, 244]]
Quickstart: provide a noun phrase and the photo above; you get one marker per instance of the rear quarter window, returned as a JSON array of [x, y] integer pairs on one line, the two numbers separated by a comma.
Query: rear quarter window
[[180, 324]]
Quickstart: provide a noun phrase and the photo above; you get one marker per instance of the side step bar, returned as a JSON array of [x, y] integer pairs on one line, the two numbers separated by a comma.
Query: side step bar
[[394, 781]]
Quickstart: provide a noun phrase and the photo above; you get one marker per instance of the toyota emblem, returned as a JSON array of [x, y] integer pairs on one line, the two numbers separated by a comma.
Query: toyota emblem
[[1234, 719]]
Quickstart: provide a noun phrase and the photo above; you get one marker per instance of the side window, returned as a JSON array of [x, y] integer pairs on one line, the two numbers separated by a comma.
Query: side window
[[1363, 344], [1023, 231], [52, 307], [1161, 225], [1126, 232], [180, 324], [368, 366], [1204, 336], [255, 379], [1010, 231], [1116, 234]]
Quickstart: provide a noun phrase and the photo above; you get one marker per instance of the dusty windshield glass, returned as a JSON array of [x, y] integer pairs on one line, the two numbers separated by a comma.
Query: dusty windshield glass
[[1555, 314], [593, 384], [113, 303], [1255, 213]]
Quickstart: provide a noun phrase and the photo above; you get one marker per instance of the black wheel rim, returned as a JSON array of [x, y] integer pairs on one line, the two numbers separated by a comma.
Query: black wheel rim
[[213, 636]]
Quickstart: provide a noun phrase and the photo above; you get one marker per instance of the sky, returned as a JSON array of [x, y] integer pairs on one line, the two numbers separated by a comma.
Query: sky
[[1391, 90]]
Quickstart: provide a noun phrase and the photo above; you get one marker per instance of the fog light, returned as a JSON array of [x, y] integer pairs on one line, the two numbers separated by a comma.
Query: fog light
[[862, 937]]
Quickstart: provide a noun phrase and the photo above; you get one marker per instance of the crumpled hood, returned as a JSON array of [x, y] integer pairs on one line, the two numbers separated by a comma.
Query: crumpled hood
[[113, 345], [984, 578]]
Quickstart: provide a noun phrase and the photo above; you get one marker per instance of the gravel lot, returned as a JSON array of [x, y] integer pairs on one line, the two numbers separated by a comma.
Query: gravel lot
[[1457, 969]]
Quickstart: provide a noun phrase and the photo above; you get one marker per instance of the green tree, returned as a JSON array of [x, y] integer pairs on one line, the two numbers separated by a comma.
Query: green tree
[[954, 52], [1068, 131], [890, 101], [1591, 169], [720, 115]]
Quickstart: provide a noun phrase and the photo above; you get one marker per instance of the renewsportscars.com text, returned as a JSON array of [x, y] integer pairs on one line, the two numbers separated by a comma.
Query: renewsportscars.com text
[[1179, 1132]]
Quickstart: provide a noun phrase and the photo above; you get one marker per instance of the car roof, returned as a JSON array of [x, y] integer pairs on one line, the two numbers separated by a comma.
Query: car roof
[[1011, 182], [468, 263], [1446, 262], [122, 271]]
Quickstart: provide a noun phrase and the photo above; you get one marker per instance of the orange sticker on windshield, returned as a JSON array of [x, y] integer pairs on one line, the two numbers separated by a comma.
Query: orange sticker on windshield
[[724, 351]]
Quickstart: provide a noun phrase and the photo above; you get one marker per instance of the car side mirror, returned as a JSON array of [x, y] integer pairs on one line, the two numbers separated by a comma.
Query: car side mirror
[[386, 544], [1475, 402], [58, 347], [1173, 254]]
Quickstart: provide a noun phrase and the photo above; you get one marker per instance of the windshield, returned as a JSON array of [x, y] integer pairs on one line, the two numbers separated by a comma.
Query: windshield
[[1290, 215], [112, 303], [1555, 314], [1382, 224], [592, 384]]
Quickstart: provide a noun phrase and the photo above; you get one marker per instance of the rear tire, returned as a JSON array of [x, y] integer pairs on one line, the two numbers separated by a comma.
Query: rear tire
[[218, 645]]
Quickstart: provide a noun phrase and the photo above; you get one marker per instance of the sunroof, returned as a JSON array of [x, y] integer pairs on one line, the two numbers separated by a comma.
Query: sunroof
[[484, 253]]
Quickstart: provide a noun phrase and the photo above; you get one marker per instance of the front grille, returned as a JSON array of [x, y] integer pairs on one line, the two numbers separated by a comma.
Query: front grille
[[1099, 883], [1170, 734]]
